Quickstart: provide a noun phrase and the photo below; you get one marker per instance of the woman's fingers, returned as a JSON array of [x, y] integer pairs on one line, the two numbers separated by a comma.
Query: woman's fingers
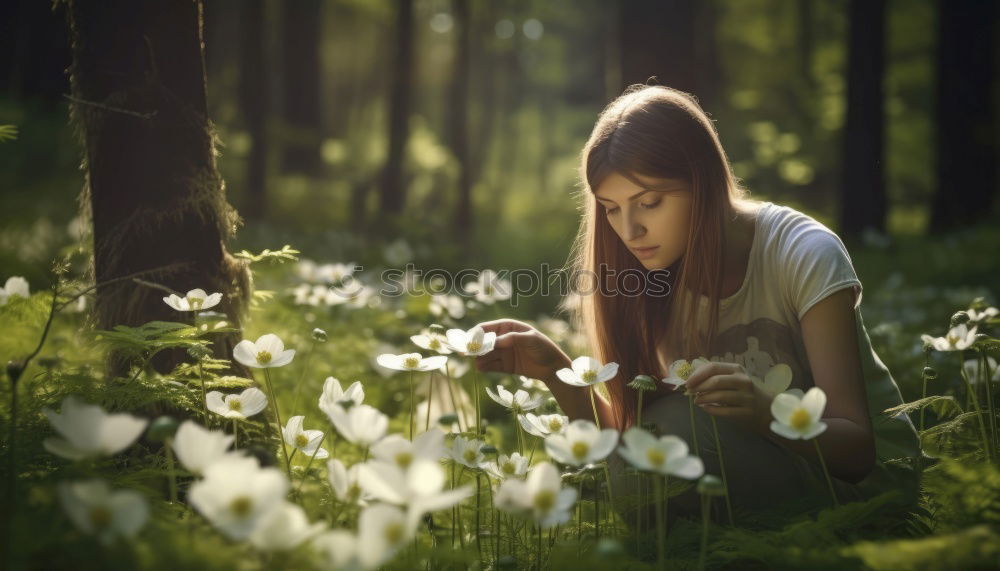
[[501, 326], [736, 381], [725, 398]]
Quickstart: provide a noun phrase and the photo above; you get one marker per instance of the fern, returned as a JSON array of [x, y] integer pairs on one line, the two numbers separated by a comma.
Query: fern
[[943, 406], [285, 254]]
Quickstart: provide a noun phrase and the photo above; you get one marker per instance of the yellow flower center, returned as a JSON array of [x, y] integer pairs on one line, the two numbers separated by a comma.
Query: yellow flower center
[[411, 362], [488, 290], [589, 376], [434, 344], [393, 533], [263, 357], [508, 468], [655, 457], [353, 493], [100, 517], [684, 371], [241, 506], [469, 455], [195, 302], [236, 405], [952, 340], [800, 419], [580, 450], [301, 441], [544, 500], [555, 424], [474, 346], [403, 459]]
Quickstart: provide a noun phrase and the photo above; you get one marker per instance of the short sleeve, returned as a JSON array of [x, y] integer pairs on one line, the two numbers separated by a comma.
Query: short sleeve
[[816, 265]]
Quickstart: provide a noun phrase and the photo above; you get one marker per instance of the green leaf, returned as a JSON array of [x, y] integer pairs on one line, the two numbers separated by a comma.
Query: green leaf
[[942, 405], [286, 253]]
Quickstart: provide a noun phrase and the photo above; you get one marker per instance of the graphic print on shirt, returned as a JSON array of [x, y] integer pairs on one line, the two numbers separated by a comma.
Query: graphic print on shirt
[[759, 346]]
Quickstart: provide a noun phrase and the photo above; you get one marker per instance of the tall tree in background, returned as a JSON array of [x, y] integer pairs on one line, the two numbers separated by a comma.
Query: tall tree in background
[[863, 199], [458, 112], [152, 186], [302, 133], [672, 40], [393, 191], [966, 141], [255, 103]]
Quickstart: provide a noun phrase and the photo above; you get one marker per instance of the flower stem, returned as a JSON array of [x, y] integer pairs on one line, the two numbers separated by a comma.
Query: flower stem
[[694, 430], [638, 410], [722, 468], [829, 482], [451, 395], [986, 378], [593, 405], [479, 543], [703, 551], [923, 395], [661, 552], [979, 412], [298, 490], [517, 432], [611, 495], [430, 399], [204, 395], [479, 418], [277, 416], [168, 450], [236, 436], [412, 406]]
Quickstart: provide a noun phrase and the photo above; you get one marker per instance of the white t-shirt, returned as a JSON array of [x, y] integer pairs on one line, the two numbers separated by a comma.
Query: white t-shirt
[[794, 263]]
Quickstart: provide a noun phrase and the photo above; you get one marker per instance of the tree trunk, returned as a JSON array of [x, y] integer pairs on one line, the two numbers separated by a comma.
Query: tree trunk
[[458, 117], [966, 143], [303, 135], [393, 184], [863, 202], [154, 192]]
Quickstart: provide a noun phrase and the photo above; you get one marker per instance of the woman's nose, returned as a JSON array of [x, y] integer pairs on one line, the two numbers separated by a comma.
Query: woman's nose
[[633, 229]]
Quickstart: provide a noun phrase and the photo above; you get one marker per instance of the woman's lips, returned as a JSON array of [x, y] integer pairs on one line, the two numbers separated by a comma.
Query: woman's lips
[[643, 253]]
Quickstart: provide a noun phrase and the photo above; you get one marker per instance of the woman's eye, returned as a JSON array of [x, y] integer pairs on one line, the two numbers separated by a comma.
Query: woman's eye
[[650, 205], [610, 210]]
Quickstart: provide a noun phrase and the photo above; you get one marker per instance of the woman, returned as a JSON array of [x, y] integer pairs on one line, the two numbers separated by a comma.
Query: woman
[[774, 288]]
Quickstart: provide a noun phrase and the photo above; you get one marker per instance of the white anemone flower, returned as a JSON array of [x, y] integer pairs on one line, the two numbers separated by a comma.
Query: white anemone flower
[[397, 450], [362, 425], [796, 418], [541, 494], [341, 549], [532, 384], [284, 527], [346, 484], [334, 396], [237, 493], [958, 338], [513, 466], [96, 510], [265, 353], [587, 372], [420, 487], [197, 447], [544, 424], [667, 455], [15, 285], [194, 300], [682, 369], [976, 375], [86, 431], [447, 304], [305, 441], [986, 314], [520, 401], [776, 381], [489, 287], [432, 341], [467, 452], [583, 443], [411, 362], [243, 405], [382, 531], [471, 343]]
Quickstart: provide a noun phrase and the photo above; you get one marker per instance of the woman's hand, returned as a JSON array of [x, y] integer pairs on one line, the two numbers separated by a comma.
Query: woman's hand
[[522, 350], [725, 390]]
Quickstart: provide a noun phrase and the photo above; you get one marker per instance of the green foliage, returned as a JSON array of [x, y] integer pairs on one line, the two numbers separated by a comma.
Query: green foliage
[[285, 254], [8, 133]]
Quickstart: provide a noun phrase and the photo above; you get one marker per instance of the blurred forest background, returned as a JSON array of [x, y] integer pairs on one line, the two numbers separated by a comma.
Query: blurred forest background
[[457, 124]]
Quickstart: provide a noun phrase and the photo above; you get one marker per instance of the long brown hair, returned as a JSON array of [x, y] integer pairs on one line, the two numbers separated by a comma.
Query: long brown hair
[[658, 132]]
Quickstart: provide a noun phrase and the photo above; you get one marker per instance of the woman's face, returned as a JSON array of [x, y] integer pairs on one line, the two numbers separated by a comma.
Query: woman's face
[[653, 224]]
